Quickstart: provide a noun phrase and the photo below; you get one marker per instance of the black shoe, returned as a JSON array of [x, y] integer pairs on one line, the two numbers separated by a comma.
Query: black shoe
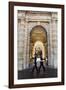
[[38, 70], [44, 69]]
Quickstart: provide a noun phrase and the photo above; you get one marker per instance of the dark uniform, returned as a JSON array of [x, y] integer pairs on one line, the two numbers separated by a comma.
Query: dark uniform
[[41, 62], [35, 63]]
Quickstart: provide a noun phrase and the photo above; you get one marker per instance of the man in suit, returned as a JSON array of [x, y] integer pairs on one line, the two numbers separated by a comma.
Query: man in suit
[[41, 60], [35, 61]]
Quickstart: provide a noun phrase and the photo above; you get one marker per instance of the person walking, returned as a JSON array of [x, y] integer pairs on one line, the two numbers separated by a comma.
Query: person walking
[[35, 62], [41, 61]]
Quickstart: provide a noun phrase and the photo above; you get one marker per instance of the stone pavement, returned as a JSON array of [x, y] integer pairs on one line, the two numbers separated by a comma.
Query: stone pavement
[[28, 74]]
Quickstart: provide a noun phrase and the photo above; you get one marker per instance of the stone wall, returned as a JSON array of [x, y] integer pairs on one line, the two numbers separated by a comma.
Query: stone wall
[[28, 20]]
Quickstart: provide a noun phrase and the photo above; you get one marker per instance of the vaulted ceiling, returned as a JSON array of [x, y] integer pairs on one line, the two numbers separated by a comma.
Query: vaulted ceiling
[[38, 34]]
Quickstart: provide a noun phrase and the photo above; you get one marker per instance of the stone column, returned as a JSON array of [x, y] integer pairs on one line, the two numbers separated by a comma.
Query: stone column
[[27, 44], [53, 42], [49, 38], [25, 40], [20, 45]]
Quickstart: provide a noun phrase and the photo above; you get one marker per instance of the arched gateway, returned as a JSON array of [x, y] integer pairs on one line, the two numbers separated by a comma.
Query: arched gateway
[[38, 39]]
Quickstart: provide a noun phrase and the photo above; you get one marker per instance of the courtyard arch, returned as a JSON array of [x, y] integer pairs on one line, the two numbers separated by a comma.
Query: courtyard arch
[[38, 39]]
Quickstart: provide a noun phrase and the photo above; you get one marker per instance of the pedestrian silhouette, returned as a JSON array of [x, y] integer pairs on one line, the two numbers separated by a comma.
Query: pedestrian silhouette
[[35, 61], [41, 60]]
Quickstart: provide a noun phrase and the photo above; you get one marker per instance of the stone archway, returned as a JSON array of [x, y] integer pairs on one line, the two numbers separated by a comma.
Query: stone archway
[[39, 44], [38, 35]]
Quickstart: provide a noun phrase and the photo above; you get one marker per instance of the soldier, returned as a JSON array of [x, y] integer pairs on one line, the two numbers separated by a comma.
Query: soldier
[[35, 61], [41, 62]]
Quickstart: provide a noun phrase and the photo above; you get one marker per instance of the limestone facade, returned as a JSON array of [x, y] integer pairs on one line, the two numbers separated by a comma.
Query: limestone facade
[[27, 20]]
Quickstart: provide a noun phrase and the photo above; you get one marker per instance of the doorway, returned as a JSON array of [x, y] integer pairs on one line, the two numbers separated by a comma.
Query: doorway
[[38, 39]]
